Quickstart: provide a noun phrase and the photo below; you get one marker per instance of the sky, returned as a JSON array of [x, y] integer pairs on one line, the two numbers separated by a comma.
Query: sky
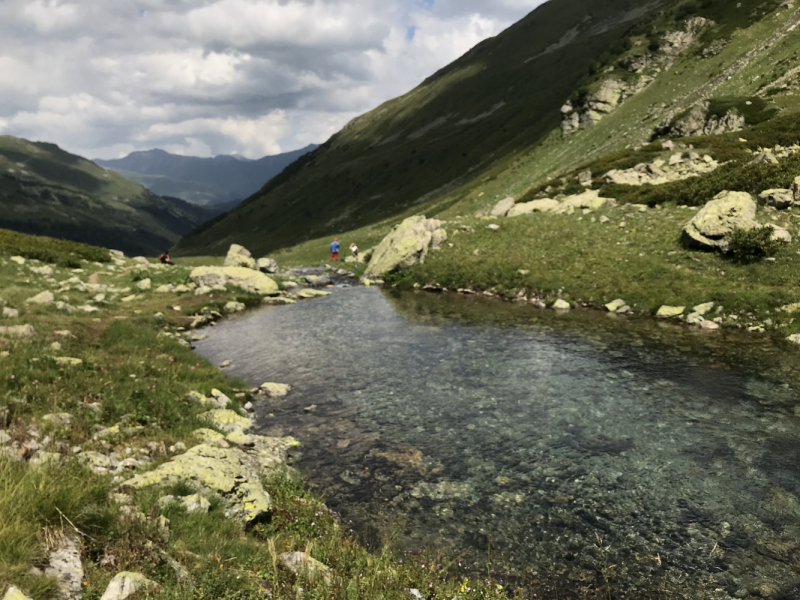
[[103, 78]]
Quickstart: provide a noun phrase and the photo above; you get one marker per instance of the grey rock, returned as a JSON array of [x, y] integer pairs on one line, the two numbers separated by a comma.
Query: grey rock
[[66, 568], [42, 298], [239, 256], [10, 313], [127, 584], [501, 208], [778, 198], [267, 265]]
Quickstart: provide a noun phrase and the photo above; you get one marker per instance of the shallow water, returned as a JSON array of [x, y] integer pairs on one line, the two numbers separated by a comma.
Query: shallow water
[[589, 456]]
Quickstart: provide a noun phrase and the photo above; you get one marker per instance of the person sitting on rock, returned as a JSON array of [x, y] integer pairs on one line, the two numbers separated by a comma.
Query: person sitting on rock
[[335, 249], [354, 250], [164, 258]]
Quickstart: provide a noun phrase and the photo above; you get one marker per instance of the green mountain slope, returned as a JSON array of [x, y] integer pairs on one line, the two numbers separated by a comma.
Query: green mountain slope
[[47, 191], [499, 99]]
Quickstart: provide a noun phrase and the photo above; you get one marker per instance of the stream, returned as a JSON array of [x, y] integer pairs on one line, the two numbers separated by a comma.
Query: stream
[[581, 455]]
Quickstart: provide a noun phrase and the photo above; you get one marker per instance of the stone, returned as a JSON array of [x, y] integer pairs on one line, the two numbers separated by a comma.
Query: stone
[[405, 246], [144, 284], [300, 563], [493, 227], [42, 298], [127, 584], [779, 233], [585, 178], [278, 301], [220, 401], [10, 313], [615, 305], [702, 309], [141, 260], [58, 419], [18, 331], [668, 312], [561, 305], [240, 438], [14, 593], [711, 227], [589, 199], [226, 420], [195, 503], [68, 361], [694, 319], [18, 259], [777, 198], [65, 566], [225, 364], [318, 280], [228, 472], [275, 390], [208, 436], [239, 256], [794, 338], [267, 265], [164, 289], [249, 280], [307, 294], [234, 307], [526, 208], [604, 219], [501, 208]]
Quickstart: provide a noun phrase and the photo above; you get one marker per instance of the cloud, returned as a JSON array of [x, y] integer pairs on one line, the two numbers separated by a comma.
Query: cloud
[[103, 78]]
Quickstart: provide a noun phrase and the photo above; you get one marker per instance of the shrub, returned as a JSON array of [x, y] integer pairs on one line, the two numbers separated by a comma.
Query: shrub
[[751, 245]]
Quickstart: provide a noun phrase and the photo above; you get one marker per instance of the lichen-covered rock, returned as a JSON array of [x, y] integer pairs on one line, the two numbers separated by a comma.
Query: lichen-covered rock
[[209, 436], [220, 401], [65, 566], [501, 208], [228, 472], [127, 584], [14, 593], [267, 265], [406, 245], [226, 420], [300, 563], [615, 305], [779, 233], [778, 198], [18, 331], [711, 227], [589, 199], [144, 284], [668, 312], [234, 307], [702, 309], [249, 280], [561, 305], [239, 256], [275, 390], [526, 208], [42, 298]]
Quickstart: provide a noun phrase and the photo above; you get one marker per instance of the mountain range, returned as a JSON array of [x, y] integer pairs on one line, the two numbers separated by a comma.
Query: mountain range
[[45, 190], [220, 181]]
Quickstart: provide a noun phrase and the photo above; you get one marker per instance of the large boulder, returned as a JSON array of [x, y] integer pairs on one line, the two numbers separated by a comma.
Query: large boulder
[[526, 208], [239, 256], [711, 227], [249, 280], [405, 246]]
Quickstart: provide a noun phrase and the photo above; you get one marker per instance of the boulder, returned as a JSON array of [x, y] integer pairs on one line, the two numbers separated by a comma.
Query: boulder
[[615, 305], [711, 227], [778, 198], [779, 233], [65, 566], [526, 208], [144, 284], [267, 265], [232, 473], [249, 280], [702, 309], [300, 563], [561, 305], [501, 208], [14, 593], [589, 199], [41, 298], [239, 256], [18, 331], [405, 246], [668, 312], [127, 584]]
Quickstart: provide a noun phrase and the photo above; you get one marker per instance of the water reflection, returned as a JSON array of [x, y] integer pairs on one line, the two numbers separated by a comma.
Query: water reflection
[[588, 454]]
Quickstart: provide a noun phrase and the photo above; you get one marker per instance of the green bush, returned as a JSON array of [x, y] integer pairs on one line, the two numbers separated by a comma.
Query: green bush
[[751, 245]]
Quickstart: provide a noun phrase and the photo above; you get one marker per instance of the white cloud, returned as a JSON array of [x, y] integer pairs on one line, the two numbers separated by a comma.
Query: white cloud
[[105, 77]]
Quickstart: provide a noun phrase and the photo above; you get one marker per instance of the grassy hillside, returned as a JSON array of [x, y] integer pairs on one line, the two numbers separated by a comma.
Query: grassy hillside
[[47, 191], [499, 99]]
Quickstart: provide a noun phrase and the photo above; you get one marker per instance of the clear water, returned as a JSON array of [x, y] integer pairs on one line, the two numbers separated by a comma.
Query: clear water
[[586, 456]]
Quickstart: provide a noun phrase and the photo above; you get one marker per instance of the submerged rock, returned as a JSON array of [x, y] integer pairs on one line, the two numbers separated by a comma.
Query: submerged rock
[[405, 246], [239, 256], [248, 280], [710, 229]]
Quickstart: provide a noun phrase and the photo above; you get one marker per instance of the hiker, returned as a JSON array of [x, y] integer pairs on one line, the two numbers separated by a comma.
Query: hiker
[[335, 249], [164, 258], [354, 250]]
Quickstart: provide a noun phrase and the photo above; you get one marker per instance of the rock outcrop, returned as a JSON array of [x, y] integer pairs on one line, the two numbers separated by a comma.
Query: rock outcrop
[[248, 280], [711, 227], [406, 245], [696, 122], [239, 256], [658, 172]]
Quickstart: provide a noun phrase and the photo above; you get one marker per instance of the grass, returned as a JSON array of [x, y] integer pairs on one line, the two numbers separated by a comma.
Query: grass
[[637, 256], [59, 252], [138, 375]]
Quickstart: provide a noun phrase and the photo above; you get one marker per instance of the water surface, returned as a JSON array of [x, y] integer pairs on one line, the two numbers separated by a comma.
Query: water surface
[[591, 456]]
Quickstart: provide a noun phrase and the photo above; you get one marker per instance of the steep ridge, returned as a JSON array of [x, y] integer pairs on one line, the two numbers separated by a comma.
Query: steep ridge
[[499, 99], [47, 191], [217, 181]]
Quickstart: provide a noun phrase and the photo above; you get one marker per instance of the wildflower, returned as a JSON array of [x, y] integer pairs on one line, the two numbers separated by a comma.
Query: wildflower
[[13, 376]]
